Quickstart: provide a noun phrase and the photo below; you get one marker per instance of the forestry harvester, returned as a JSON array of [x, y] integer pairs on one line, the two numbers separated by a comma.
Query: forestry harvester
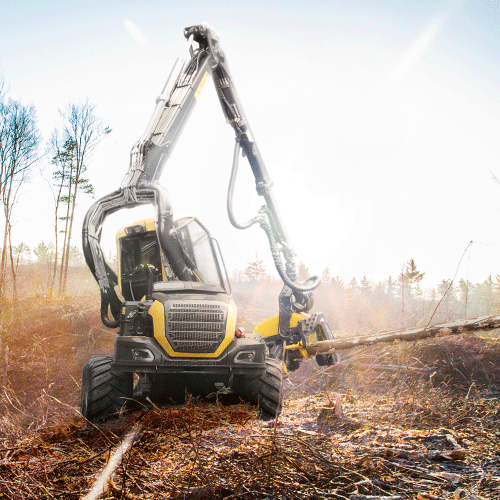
[[176, 320]]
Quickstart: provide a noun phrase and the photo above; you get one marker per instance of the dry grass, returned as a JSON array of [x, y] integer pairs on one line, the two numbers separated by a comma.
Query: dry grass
[[201, 451], [403, 421], [44, 346]]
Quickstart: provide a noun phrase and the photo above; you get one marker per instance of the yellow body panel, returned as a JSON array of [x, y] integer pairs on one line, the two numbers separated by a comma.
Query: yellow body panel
[[269, 327], [157, 312]]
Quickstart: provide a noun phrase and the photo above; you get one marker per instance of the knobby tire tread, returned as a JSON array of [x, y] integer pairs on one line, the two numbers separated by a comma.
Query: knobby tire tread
[[269, 402], [104, 393]]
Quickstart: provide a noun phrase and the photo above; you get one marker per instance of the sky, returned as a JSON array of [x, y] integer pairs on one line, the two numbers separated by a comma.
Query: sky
[[379, 122]]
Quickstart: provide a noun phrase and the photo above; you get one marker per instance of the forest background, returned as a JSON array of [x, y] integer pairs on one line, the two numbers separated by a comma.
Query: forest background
[[357, 304], [49, 327]]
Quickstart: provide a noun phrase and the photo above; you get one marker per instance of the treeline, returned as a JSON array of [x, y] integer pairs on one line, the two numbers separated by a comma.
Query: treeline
[[354, 305], [67, 152], [34, 272], [364, 305]]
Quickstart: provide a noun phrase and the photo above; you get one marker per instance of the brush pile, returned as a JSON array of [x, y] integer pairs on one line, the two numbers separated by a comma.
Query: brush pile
[[348, 448], [405, 421]]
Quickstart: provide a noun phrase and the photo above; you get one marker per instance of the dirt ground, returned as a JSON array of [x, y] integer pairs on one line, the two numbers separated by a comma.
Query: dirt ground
[[405, 421]]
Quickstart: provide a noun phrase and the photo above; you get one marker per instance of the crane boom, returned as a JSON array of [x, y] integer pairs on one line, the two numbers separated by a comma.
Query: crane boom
[[203, 57]]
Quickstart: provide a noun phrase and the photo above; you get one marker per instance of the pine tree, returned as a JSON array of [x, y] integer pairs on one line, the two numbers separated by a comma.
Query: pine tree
[[411, 275], [44, 253], [325, 276], [82, 131], [365, 286], [446, 290], [390, 287], [302, 272], [338, 283], [465, 289], [487, 296], [255, 270], [352, 287]]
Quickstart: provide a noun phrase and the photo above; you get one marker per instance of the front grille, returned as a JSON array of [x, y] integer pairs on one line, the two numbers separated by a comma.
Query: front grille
[[197, 327]]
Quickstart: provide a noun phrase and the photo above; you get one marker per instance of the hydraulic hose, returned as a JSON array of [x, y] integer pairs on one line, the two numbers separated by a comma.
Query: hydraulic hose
[[104, 314], [263, 219], [167, 235], [296, 287]]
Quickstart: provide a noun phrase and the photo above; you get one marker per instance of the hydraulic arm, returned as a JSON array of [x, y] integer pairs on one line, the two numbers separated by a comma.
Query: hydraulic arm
[[203, 58]]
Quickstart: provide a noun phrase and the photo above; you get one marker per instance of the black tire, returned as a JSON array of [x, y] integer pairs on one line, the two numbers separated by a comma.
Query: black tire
[[327, 359], [104, 393], [264, 392], [293, 364]]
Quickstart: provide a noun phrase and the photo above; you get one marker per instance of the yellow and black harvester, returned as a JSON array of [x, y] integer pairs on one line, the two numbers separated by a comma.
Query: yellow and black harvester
[[170, 298]]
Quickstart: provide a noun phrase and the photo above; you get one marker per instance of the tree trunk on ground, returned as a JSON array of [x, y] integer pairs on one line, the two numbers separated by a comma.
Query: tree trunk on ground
[[443, 330]]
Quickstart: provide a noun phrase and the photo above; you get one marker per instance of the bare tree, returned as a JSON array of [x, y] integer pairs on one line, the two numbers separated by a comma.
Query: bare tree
[[82, 132], [63, 160], [19, 140], [21, 252]]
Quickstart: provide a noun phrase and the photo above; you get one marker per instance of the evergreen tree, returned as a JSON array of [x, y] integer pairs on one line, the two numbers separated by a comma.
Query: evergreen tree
[[365, 286], [411, 275], [325, 276], [337, 283], [255, 270], [352, 287], [19, 140], [44, 253], [408, 278], [76, 257], [446, 291], [302, 272], [487, 296], [21, 252], [465, 288], [390, 287], [82, 131]]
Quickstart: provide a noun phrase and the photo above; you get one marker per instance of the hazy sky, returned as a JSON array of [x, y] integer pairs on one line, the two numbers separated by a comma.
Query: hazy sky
[[378, 121]]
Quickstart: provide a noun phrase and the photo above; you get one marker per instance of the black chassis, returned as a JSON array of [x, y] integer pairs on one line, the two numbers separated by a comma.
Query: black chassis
[[150, 357], [138, 351]]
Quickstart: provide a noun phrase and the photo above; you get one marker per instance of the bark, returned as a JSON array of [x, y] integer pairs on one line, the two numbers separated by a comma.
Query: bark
[[85, 130], [63, 257], [483, 323], [11, 255], [68, 243], [19, 139]]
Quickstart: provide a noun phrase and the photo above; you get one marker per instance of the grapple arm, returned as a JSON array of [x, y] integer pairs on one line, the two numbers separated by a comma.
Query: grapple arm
[[147, 161]]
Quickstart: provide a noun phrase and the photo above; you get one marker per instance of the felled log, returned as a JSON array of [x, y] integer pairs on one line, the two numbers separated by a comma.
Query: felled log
[[483, 323]]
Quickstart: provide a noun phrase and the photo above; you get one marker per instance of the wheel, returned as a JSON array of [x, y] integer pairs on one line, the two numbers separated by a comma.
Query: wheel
[[104, 393], [327, 359], [293, 364], [269, 402], [264, 392]]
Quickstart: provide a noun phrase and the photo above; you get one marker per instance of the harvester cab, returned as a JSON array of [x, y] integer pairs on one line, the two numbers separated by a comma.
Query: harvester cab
[[140, 262], [170, 298]]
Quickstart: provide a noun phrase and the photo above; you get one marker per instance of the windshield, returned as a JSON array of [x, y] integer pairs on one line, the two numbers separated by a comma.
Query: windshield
[[197, 244]]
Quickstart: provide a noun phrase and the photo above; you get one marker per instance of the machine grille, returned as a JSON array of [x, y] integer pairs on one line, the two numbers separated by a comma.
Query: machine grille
[[197, 327]]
